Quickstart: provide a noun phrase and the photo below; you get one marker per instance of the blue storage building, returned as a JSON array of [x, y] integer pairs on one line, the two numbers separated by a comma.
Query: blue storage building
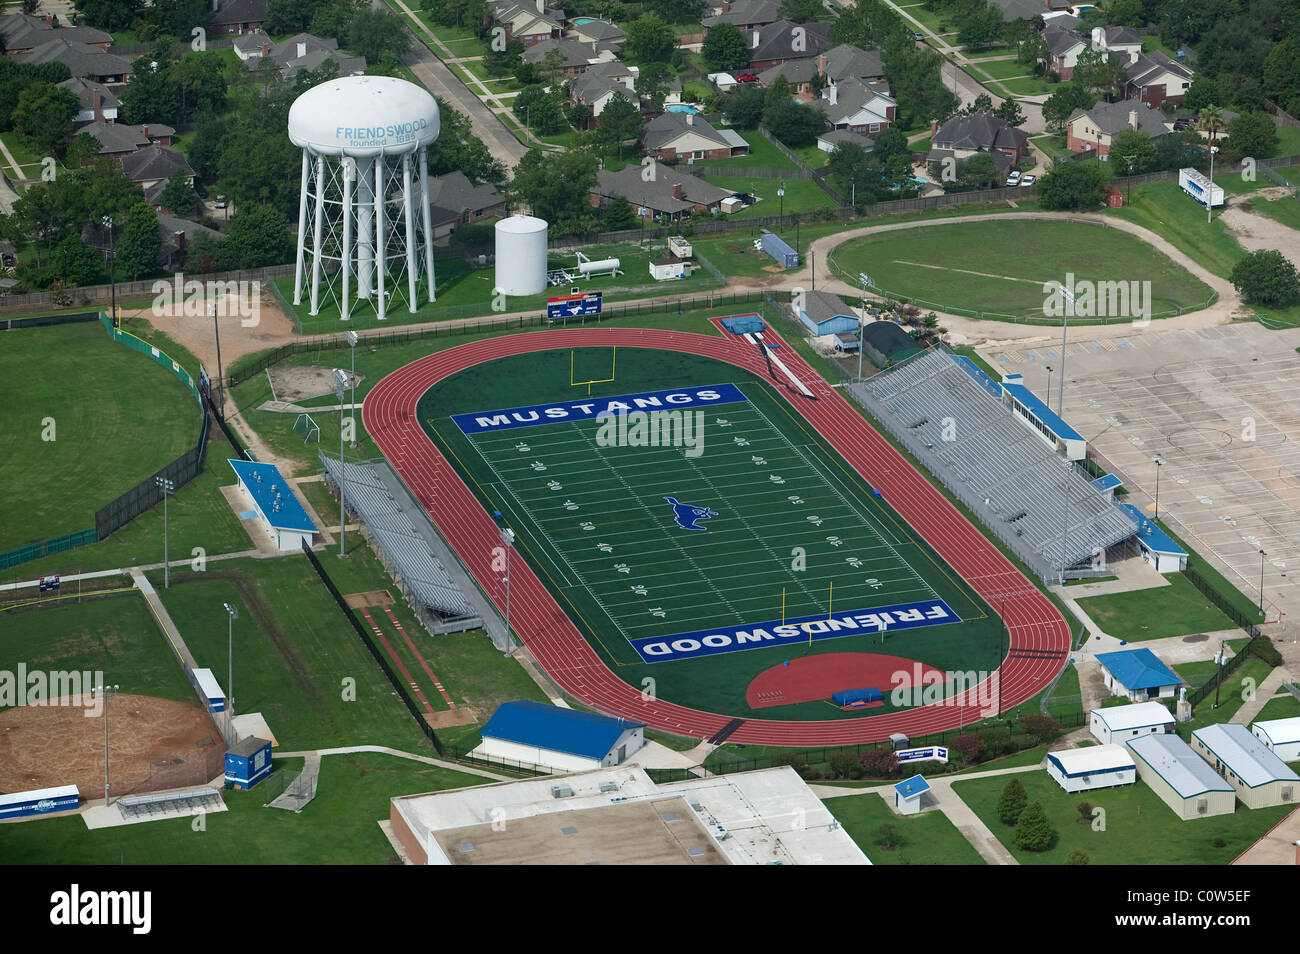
[[248, 763], [534, 733], [774, 245], [824, 314], [1138, 675]]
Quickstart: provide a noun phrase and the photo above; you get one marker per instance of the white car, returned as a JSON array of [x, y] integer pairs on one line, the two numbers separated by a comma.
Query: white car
[[1013, 179], [1028, 180]]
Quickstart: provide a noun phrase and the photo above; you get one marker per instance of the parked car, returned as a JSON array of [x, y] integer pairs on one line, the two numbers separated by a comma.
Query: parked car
[[918, 36], [9, 260], [747, 78], [1028, 180], [221, 202], [1181, 124], [1014, 178]]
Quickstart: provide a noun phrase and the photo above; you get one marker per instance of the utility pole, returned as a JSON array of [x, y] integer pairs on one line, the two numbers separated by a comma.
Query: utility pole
[[168, 487], [216, 331], [232, 614], [105, 692], [340, 380]]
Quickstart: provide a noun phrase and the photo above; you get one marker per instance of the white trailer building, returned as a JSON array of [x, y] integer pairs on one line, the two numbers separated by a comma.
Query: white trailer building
[[1091, 768], [1121, 723]]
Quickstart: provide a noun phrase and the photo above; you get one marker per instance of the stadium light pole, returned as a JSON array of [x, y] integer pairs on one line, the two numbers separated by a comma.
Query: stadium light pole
[[780, 194], [1065, 328], [1048, 393], [1065, 518], [168, 487], [216, 331], [352, 344], [112, 271], [508, 539], [340, 382], [866, 281], [232, 614], [105, 692], [1209, 195], [1159, 463]]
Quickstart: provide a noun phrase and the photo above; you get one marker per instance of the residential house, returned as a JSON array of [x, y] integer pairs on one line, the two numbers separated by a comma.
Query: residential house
[[1093, 129], [838, 63], [827, 141], [964, 136], [455, 201], [177, 233], [1155, 78], [783, 40], [1063, 49], [82, 59], [151, 167], [684, 136], [252, 45], [599, 84], [668, 195], [578, 56], [1028, 9], [303, 51], [743, 14], [525, 21], [601, 34], [237, 16], [95, 101], [863, 108], [23, 32], [1120, 40], [121, 139]]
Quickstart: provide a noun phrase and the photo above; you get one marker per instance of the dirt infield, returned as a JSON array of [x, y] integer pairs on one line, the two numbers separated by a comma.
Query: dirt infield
[[153, 744], [810, 678]]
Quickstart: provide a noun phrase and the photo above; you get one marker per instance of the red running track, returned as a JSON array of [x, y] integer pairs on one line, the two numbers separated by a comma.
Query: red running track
[[1036, 626]]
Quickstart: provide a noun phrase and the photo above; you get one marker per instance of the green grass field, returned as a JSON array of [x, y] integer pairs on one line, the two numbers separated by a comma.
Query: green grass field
[[1281, 706], [637, 575], [801, 195], [1000, 267], [1178, 609], [295, 654], [338, 827], [1140, 828], [762, 155], [84, 420], [929, 839], [1232, 696], [114, 635]]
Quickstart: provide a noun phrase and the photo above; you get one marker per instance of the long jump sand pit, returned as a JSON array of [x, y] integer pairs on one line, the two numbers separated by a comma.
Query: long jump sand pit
[[153, 744]]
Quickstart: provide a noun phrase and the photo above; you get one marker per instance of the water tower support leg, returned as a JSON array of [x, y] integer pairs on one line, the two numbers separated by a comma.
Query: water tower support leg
[[349, 174], [427, 220], [381, 235], [302, 231], [409, 213], [316, 237]]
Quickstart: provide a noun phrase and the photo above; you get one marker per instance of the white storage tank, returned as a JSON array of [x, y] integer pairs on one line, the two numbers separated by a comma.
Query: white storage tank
[[521, 255]]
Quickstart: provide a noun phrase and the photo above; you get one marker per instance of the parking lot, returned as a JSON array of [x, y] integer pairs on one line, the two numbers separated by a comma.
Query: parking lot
[[1221, 407]]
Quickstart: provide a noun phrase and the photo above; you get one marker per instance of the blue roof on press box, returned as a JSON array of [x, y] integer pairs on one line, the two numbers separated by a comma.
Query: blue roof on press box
[[552, 727], [273, 496]]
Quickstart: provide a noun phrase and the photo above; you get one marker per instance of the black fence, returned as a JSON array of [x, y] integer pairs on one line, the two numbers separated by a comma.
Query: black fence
[[13, 324], [398, 686], [147, 494], [1222, 602]]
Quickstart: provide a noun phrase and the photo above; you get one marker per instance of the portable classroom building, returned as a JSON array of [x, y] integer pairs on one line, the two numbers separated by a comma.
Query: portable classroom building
[[1091, 768], [1183, 780], [1282, 736], [1121, 723], [1259, 776]]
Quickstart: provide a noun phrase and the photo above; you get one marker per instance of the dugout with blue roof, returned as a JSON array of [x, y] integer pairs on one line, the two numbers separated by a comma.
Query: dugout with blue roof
[[1138, 674], [540, 734], [275, 505], [1158, 548]]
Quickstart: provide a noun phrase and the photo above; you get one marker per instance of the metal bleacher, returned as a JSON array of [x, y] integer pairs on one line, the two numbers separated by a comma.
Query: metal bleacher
[[395, 534], [1043, 506], [159, 804]]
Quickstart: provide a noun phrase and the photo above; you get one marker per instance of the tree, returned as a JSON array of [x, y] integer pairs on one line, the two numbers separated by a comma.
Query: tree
[[892, 142], [1203, 92], [1251, 134], [868, 24], [370, 32], [178, 195], [1009, 111], [388, 65], [1281, 78], [1085, 812], [76, 264], [620, 121], [969, 746], [1033, 831], [1061, 104], [259, 236], [888, 836], [618, 215], [743, 106], [152, 96], [43, 117], [555, 186], [140, 244], [801, 11], [676, 11], [109, 14], [1075, 186], [652, 85], [649, 40], [201, 84], [1132, 151], [1179, 150], [852, 166], [1266, 277], [794, 123], [291, 16], [1210, 120], [980, 29], [983, 103], [880, 762], [499, 62], [1078, 857], [1096, 72], [1012, 801], [844, 764], [1042, 728], [1032, 51], [457, 147], [724, 48]]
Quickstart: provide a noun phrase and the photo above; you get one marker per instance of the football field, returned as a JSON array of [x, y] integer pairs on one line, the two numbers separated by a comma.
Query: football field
[[695, 529]]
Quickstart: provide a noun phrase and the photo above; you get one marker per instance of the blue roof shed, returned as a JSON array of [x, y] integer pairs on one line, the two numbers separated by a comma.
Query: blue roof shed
[[1138, 669], [542, 726]]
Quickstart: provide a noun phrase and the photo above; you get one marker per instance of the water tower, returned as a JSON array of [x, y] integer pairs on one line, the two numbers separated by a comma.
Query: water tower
[[364, 233]]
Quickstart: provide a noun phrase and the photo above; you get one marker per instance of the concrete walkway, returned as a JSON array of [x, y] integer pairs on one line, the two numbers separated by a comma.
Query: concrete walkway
[[1281, 846], [398, 753], [1265, 691], [163, 619]]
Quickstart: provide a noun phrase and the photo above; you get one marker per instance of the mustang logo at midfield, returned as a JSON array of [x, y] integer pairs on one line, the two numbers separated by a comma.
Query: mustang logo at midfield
[[687, 515]]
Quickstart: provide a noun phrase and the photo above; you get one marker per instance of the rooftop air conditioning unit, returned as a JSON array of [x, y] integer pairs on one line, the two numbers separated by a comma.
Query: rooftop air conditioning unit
[[562, 791]]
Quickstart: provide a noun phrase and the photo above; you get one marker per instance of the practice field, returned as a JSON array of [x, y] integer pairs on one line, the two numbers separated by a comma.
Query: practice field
[[682, 564], [1000, 267], [84, 420]]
